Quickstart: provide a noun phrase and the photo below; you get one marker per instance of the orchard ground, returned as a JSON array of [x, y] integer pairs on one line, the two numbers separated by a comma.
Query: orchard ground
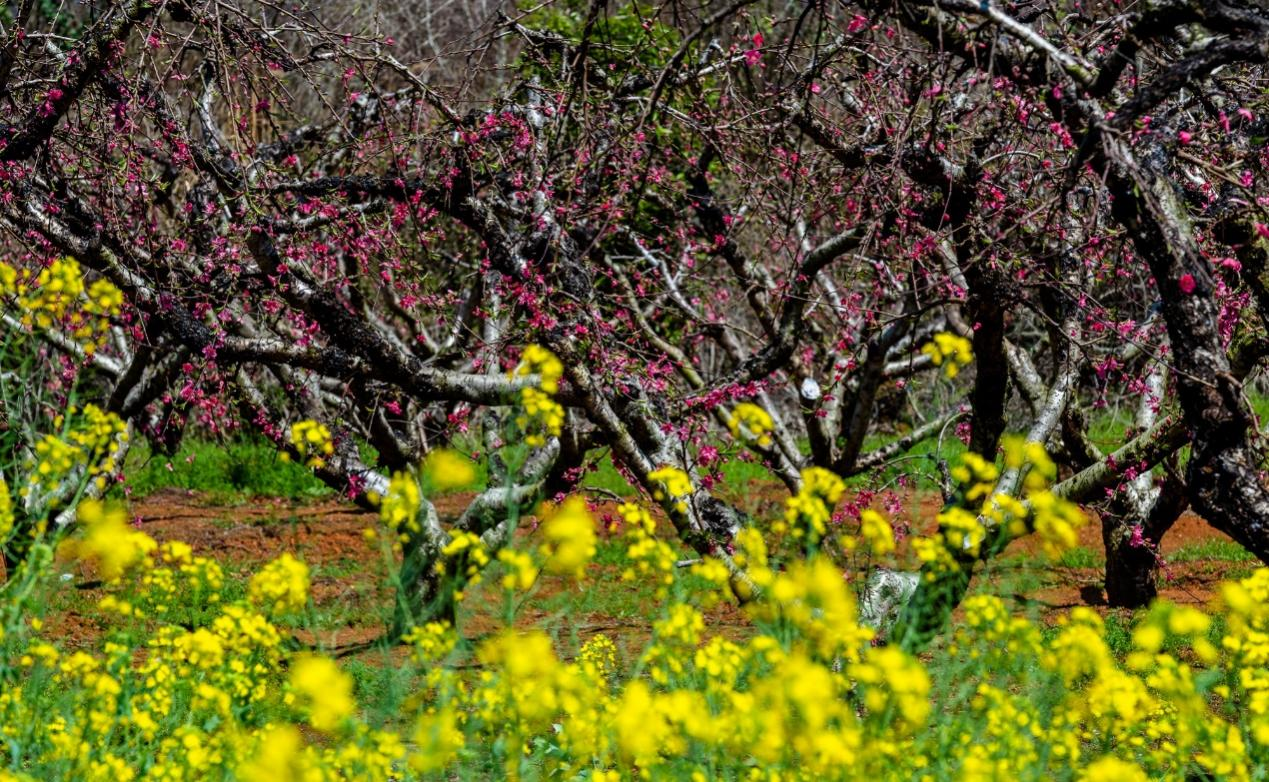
[[235, 521]]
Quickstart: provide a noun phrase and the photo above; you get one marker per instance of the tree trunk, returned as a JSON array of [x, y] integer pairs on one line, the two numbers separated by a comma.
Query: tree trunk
[[1224, 468], [1132, 559], [1141, 513], [1131, 564]]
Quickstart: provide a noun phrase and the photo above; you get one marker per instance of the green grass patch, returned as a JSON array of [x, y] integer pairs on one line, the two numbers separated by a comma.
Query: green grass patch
[[1013, 576], [605, 476], [1119, 633], [225, 471], [736, 471], [1081, 557], [1216, 549], [918, 465], [611, 552], [625, 600]]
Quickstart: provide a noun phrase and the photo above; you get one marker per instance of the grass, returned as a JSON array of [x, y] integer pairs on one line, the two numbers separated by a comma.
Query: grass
[[739, 473], [918, 465], [1216, 549], [611, 551], [247, 467], [1119, 633], [605, 476], [225, 472], [381, 687], [1013, 577], [624, 600], [1081, 557]]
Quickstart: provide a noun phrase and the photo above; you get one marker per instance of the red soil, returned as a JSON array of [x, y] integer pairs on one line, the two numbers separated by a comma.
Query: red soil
[[331, 533]]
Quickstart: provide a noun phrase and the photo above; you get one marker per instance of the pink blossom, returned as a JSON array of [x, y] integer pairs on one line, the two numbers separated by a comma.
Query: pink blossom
[[1186, 283], [1138, 537]]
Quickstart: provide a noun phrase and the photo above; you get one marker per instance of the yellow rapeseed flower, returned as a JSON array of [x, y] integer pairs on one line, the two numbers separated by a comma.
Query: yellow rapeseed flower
[[674, 484], [6, 511], [279, 757], [431, 642], [313, 442], [543, 416], [808, 512], [323, 690], [400, 507], [1112, 769], [749, 421], [521, 572], [107, 541], [281, 587], [950, 351], [447, 469], [537, 360], [570, 538], [876, 530], [8, 279], [437, 740]]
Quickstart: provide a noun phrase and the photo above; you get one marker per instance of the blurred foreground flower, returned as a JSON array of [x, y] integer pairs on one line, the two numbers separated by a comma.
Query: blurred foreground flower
[[950, 351], [107, 541], [313, 442], [570, 538], [324, 690], [447, 469], [6, 511], [749, 421]]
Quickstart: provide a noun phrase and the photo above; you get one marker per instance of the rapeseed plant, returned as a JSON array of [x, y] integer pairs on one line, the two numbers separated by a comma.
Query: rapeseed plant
[[189, 682]]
